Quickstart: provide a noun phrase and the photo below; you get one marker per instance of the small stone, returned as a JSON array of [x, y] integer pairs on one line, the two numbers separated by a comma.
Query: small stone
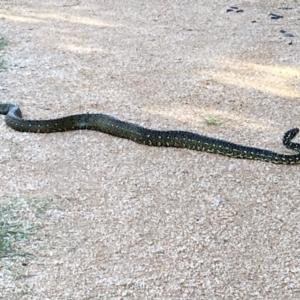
[[287, 34], [275, 16], [234, 8]]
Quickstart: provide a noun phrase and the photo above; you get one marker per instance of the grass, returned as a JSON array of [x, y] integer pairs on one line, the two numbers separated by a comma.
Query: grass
[[3, 43], [2, 64], [19, 221], [20, 243], [10, 234], [209, 120]]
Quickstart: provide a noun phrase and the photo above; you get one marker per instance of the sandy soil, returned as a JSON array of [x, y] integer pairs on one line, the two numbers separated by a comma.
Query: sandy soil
[[119, 220]]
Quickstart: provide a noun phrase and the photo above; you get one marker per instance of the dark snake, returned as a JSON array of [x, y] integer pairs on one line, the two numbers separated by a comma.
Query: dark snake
[[136, 133]]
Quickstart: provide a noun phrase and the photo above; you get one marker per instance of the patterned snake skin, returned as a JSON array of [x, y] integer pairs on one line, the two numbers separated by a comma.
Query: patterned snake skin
[[136, 133]]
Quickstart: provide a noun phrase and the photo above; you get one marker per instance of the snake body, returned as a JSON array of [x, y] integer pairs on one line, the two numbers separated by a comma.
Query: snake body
[[136, 133]]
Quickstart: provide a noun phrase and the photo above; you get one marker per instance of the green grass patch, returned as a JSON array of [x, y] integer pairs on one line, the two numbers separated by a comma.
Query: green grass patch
[[210, 120], [19, 219], [2, 64], [21, 242], [3, 43]]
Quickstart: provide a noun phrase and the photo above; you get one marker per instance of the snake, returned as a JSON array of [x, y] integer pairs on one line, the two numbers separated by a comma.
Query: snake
[[150, 137]]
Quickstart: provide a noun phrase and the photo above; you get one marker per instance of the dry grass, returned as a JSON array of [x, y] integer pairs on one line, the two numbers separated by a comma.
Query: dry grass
[[104, 218]]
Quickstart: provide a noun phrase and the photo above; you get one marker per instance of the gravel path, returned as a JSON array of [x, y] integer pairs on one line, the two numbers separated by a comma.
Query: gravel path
[[117, 220]]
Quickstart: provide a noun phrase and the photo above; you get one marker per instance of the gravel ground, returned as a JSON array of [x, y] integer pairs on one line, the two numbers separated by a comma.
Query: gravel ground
[[104, 218]]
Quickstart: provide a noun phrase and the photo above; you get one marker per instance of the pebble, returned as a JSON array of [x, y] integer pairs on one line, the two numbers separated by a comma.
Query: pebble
[[234, 8], [286, 34], [275, 16]]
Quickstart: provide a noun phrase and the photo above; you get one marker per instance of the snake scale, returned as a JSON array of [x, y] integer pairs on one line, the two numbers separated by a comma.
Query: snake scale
[[136, 133]]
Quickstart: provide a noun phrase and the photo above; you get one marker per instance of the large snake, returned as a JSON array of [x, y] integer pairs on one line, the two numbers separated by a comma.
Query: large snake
[[136, 133]]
